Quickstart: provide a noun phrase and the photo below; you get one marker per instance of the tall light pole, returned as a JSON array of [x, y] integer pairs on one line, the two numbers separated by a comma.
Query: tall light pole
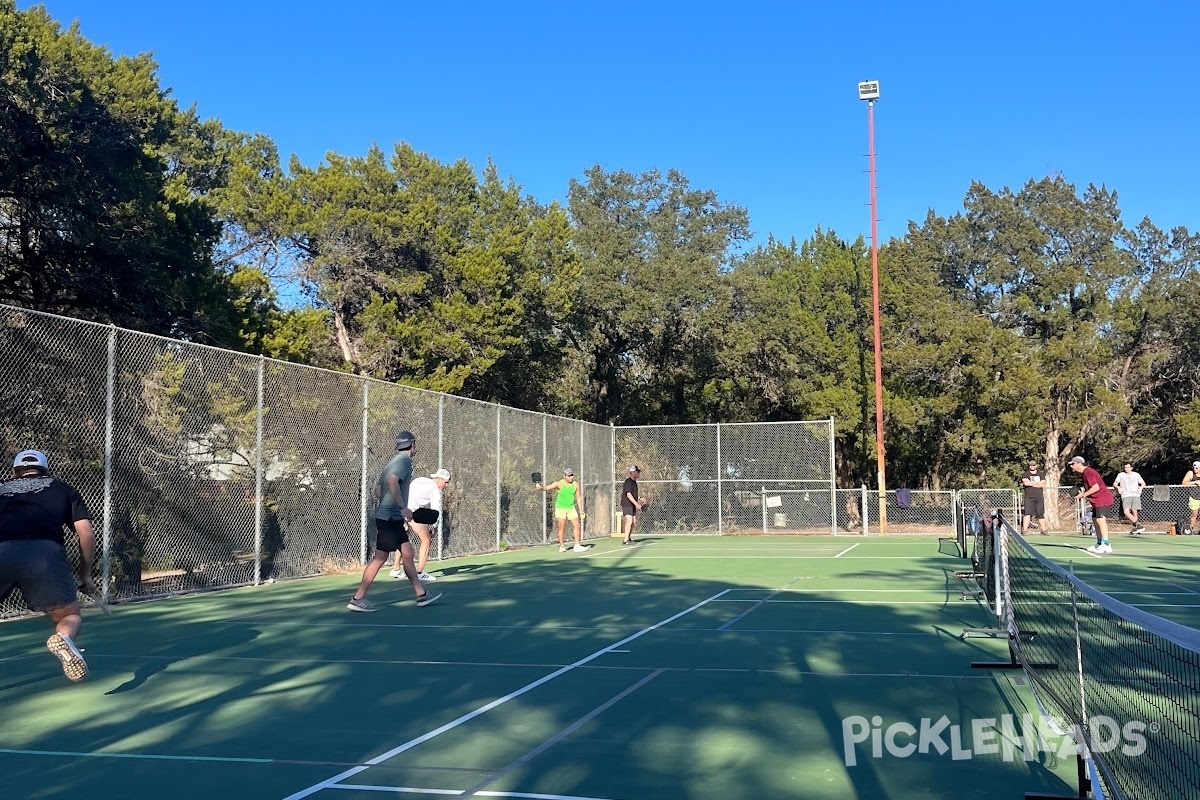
[[869, 91]]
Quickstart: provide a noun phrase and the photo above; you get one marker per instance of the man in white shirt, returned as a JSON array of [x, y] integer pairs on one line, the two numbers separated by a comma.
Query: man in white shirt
[[426, 494], [1130, 484]]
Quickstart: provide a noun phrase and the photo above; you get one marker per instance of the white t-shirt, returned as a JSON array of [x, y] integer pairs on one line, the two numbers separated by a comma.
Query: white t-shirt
[[424, 493], [1129, 484]]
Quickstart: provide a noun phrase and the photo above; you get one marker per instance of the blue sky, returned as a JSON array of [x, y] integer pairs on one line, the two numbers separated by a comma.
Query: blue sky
[[754, 100]]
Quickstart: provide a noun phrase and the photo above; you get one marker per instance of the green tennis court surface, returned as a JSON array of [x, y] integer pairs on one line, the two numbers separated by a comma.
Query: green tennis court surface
[[1160, 574], [705, 668]]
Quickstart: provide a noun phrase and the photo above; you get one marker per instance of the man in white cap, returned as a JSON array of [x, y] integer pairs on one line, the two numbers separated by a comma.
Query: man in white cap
[[34, 508], [630, 504], [1192, 479], [425, 503]]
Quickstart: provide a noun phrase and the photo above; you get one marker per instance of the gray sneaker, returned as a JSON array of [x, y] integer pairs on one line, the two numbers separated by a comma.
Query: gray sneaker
[[73, 665], [427, 598], [361, 605]]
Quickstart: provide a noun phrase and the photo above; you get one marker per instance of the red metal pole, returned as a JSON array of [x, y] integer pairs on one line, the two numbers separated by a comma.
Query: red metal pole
[[879, 456]]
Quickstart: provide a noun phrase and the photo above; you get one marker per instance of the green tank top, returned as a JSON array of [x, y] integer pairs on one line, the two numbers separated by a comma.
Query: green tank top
[[566, 495]]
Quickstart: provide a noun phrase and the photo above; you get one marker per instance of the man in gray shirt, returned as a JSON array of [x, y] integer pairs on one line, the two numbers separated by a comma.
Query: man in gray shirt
[[391, 523]]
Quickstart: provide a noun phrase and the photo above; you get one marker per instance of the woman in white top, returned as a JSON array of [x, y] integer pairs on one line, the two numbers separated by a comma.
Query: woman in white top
[[425, 501]]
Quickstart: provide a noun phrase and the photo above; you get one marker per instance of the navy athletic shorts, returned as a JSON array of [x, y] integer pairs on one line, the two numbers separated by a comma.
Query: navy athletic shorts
[[39, 568]]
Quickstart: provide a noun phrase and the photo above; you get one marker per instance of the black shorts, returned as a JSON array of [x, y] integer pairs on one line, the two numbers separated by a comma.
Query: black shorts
[[628, 510], [1108, 512], [1035, 507], [390, 534], [39, 568]]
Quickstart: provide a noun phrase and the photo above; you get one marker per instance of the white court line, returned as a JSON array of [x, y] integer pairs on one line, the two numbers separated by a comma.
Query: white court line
[[847, 550], [566, 732], [458, 792], [489, 706], [757, 604]]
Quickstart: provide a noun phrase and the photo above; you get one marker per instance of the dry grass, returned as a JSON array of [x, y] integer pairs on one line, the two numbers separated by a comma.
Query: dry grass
[[340, 566]]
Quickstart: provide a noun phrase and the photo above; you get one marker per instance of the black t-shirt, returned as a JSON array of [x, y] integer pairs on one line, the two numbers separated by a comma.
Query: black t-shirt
[[628, 488], [1033, 492], [37, 507]]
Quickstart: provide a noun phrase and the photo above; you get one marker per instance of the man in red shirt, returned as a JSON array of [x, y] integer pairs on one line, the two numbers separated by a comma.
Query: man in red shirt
[[1096, 493]]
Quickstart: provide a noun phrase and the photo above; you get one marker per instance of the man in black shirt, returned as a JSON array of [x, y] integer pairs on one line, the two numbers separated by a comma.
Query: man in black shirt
[[34, 507], [630, 504], [1034, 486]]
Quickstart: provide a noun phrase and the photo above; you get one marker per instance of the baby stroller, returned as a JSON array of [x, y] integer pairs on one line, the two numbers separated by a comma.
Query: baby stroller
[[1087, 523]]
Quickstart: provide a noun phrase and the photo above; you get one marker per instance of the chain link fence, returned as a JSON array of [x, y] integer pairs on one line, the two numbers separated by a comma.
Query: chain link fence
[[207, 468], [706, 479]]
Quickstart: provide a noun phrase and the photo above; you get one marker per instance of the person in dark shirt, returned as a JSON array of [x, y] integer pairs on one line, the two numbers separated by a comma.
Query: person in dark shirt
[[34, 508], [630, 504], [1035, 499]]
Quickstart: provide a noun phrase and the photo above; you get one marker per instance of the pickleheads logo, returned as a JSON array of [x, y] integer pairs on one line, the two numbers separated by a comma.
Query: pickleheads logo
[[990, 736]]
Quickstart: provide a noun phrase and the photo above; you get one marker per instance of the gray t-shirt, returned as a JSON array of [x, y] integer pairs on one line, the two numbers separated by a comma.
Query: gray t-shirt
[[402, 467]]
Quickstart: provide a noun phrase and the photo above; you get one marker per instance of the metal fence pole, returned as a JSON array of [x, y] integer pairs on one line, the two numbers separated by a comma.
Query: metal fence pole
[[762, 502], [109, 414], [582, 490], [545, 531], [258, 478], [441, 462], [362, 489], [864, 509], [833, 509], [720, 498], [498, 531], [616, 490]]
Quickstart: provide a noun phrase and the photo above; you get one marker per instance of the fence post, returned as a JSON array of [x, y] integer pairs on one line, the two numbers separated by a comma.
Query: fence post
[[582, 491], [362, 488], [616, 490], [109, 413], [833, 509], [545, 531], [864, 509], [441, 461], [258, 478], [720, 498], [498, 531], [762, 502]]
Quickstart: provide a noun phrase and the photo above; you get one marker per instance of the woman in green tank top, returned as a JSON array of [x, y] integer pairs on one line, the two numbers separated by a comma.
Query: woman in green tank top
[[567, 506]]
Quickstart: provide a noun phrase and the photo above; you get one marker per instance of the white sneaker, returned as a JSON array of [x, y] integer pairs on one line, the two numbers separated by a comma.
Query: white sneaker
[[579, 548], [73, 665], [562, 548], [1104, 548], [1095, 549], [397, 573], [425, 577]]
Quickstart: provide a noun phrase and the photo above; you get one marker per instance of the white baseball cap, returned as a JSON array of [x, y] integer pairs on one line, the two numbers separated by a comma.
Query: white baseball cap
[[442, 473], [635, 468], [31, 458]]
